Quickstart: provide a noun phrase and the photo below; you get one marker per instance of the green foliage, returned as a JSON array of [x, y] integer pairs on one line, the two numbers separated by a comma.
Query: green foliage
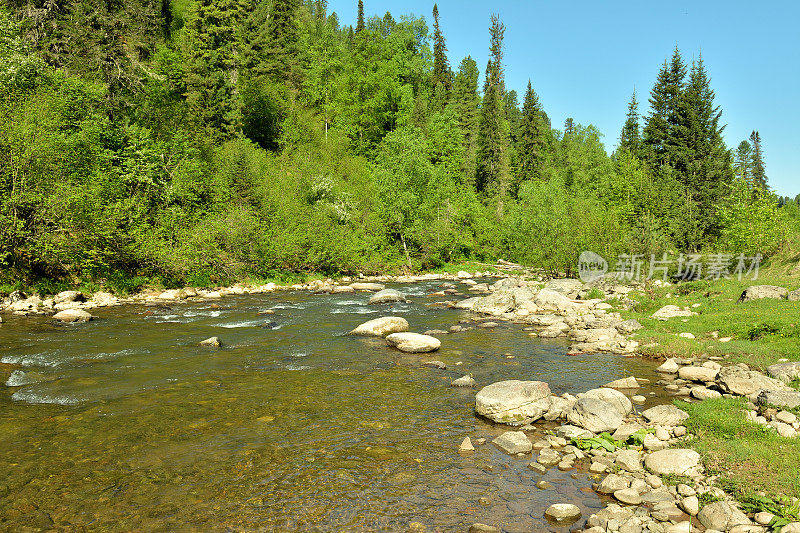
[[785, 509], [595, 294], [751, 222]]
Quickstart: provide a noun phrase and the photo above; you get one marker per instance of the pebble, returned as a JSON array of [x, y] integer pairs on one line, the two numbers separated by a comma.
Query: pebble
[[466, 445]]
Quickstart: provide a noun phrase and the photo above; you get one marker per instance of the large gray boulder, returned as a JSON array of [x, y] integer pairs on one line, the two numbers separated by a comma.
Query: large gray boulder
[[673, 461], [513, 402], [665, 415], [73, 315], [413, 342], [759, 292], [386, 296], [785, 372], [381, 327], [619, 401], [736, 380], [595, 415], [552, 300], [568, 287], [780, 399], [722, 516]]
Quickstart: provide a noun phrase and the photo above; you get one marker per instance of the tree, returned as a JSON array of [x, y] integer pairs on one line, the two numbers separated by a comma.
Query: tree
[[493, 160], [442, 80], [360, 26], [569, 126], [630, 139], [213, 63], [534, 137], [743, 162], [759, 177], [466, 103], [658, 136]]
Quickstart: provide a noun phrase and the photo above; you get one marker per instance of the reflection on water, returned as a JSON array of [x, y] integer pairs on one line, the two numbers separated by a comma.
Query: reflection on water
[[125, 423]]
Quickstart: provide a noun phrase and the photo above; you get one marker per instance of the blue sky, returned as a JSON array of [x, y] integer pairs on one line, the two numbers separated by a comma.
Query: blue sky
[[584, 59]]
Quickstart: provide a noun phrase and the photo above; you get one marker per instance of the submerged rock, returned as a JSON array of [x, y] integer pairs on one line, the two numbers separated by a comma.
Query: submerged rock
[[513, 442], [464, 381], [413, 342], [563, 512], [381, 327], [513, 402], [466, 445], [625, 384], [211, 341]]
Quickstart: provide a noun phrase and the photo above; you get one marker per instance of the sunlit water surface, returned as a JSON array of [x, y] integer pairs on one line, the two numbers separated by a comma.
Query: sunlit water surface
[[125, 423]]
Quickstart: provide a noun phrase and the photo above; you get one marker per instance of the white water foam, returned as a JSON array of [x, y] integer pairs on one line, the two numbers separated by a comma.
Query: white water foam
[[32, 397]]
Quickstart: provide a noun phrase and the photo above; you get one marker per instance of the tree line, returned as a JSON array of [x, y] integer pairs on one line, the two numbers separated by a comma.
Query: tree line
[[202, 141]]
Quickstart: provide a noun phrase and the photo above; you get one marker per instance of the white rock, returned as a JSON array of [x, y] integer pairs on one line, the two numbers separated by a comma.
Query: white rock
[[212, 341], [381, 327], [670, 311], [466, 445], [463, 381], [673, 461], [513, 442], [698, 373], [413, 342], [563, 512], [73, 315], [624, 384], [513, 402], [665, 415], [668, 367], [386, 296]]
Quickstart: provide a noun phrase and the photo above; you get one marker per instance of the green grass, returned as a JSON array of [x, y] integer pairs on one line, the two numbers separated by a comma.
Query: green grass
[[748, 457], [763, 331]]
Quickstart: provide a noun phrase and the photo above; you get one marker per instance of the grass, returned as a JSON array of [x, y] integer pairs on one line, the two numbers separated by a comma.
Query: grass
[[762, 331], [748, 457]]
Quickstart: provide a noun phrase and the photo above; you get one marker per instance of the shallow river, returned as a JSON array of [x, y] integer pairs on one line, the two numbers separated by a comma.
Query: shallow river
[[125, 423]]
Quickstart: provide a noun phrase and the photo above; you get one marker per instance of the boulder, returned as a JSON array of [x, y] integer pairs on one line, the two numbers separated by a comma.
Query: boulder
[[413, 342], [595, 415], [31, 303], [563, 512], [722, 516], [463, 274], [573, 432], [703, 393], [73, 315], [212, 341], [68, 296], [342, 289], [439, 365], [513, 402], [628, 326], [629, 460], [595, 335], [628, 496], [665, 415], [671, 311], [381, 327], [675, 461], [794, 296], [612, 483], [759, 292], [669, 367], [698, 373], [624, 384], [386, 296], [568, 287], [104, 299], [373, 287], [736, 380], [513, 442], [550, 299], [780, 399], [620, 402], [785, 372]]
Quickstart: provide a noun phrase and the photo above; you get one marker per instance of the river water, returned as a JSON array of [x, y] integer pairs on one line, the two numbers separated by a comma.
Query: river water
[[125, 423]]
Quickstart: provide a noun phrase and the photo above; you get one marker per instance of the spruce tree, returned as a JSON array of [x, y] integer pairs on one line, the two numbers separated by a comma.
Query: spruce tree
[[534, 137], [630, 138], [569, 126], [659, 137], [360, 26], [743, 162], [466, 103], [493, 171], [442, 75], [759, 177]]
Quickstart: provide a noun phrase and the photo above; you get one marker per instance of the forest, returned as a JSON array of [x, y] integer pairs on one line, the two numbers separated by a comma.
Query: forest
[[202, 142]]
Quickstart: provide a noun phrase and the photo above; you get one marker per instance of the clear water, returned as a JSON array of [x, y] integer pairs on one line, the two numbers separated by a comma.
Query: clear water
[[126, 423]]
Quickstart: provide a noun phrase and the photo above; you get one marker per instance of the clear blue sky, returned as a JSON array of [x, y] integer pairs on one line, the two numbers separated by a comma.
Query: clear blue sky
[[585, 57]]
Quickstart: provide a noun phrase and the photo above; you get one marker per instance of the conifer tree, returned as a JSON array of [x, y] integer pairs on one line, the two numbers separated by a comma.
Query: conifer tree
[[630, 138], [660, 131], [360, 26], [743, 162], [493, 171], [213, 63], [759, 177], [569, 126], [466, 103], [442, 75], [534, 135]]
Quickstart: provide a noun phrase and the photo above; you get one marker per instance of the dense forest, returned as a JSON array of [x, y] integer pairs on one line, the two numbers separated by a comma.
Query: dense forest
[[204, 141]]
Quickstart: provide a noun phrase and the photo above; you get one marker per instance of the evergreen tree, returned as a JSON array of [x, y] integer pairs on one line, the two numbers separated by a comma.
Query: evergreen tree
[[743, 162], [759, 177], [660, 131], [466, 103], [360, 26], [534, 137], [213, 63], [442, 75], [493, 171], [630, 139], [569, 126]]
